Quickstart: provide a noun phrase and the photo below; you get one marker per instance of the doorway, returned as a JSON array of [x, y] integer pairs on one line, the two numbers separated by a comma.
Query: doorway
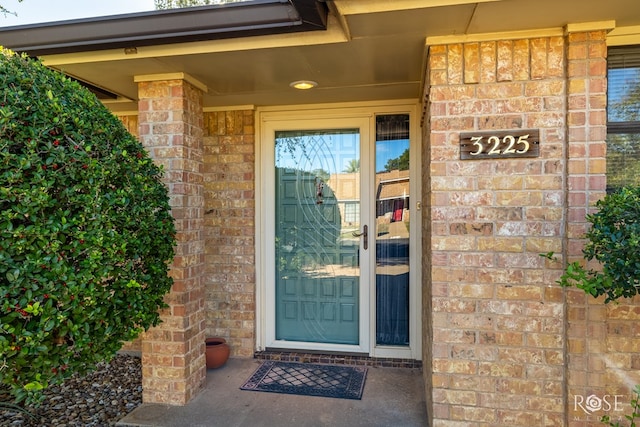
[[338, 254]]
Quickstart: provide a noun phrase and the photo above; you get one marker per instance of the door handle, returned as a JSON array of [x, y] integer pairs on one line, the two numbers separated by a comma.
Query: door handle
[[365, 234]]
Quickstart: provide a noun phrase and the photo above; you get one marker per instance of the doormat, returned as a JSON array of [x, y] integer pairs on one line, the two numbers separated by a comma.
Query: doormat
[[307, 379]]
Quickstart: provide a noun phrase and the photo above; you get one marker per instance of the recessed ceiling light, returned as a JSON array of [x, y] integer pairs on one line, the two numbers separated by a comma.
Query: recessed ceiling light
[[303, 84]]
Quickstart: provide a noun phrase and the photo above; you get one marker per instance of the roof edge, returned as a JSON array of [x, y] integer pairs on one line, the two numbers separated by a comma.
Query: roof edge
[[259, 17]]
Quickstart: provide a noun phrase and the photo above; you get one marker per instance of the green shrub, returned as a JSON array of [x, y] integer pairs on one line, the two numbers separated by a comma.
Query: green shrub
[[86, 234], [613, 239], [635, 412]]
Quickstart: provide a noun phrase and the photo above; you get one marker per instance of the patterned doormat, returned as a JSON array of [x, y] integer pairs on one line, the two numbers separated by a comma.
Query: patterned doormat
[[307, 379]]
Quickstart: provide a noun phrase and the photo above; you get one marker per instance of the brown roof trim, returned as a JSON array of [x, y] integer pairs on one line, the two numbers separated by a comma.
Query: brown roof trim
[[258, 17]]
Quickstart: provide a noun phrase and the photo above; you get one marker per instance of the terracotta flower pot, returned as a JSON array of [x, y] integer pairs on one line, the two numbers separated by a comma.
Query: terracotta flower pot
[[217, 352]]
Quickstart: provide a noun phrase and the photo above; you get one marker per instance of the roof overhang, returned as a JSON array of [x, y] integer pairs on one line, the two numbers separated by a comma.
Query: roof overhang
[[234, 20], [248, 53]]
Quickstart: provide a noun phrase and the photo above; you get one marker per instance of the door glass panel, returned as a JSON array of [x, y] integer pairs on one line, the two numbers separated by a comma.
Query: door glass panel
[[317, 207], [392, 230]]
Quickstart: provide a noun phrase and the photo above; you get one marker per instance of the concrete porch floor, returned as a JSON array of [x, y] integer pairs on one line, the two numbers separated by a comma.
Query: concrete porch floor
[[391, 397]]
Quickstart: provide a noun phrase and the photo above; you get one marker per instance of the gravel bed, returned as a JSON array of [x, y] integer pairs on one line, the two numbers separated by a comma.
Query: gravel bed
[[98, 399]]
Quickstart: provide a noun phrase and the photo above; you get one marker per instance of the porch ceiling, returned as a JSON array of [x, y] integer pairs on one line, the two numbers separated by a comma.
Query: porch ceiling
[[371, 49]]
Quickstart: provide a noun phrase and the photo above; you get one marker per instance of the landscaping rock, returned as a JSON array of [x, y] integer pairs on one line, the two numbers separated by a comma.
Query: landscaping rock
[[98, 399]]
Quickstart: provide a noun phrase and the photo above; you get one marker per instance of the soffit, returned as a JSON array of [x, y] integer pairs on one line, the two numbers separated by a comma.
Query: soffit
[[526, 14], [371, 50]]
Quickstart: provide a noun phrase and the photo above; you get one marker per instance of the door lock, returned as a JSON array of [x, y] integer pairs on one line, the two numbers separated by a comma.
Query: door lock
[[364, 234]]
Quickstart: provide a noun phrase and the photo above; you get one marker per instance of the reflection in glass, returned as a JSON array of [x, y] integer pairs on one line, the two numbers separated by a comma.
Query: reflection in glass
[[317, 208], [392, 230], [623, 115], [623, 160]]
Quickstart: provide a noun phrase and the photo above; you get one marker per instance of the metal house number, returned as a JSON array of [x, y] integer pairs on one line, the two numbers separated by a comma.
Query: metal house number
[[500, 144]]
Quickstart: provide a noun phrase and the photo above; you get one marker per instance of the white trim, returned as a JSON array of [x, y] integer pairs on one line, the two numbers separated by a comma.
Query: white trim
[[482, 37], [583, 27], [521, 34], [340, 108], [171, 76], [118, 100], [125, 113], [328, 116], [204, 110], [357, 7], [623, 36], [229, 108], [414, 351], [260, 224]]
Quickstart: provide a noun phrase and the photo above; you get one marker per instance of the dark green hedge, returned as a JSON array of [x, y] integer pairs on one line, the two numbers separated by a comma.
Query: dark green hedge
[[86, 234], [613, 240]]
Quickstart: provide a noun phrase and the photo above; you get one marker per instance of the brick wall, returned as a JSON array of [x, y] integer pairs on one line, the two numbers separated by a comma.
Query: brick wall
[[505, 344], [427, 308], [130, 122], [602, 340], [498, 329], [509, 346], [229, 186], [170, 127], [229, 182]]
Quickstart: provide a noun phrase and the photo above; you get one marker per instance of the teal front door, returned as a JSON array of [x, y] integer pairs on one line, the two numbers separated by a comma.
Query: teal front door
[[318, 236], [337, 263]]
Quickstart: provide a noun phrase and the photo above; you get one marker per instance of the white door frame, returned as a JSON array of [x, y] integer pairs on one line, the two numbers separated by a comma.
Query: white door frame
[[333, 117]]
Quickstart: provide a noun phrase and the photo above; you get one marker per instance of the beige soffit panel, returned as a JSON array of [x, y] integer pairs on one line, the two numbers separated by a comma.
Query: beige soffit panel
[[523, 34], [333, 34], [364, 106], [582, 27], [119, 100], [480, 37], [356, 7], [229, 108], [623, 36], [171, 76]]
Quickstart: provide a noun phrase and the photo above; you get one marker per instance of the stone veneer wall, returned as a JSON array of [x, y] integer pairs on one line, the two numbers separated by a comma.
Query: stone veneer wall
[[229, 189]]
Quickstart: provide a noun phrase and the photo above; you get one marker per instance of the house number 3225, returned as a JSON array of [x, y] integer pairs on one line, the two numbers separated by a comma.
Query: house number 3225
[[499, 144]]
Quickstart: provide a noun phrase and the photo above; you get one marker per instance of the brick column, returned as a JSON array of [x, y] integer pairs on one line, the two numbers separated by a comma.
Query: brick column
[[427, 257], [497, 319], [171, 128], [586, 181]]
